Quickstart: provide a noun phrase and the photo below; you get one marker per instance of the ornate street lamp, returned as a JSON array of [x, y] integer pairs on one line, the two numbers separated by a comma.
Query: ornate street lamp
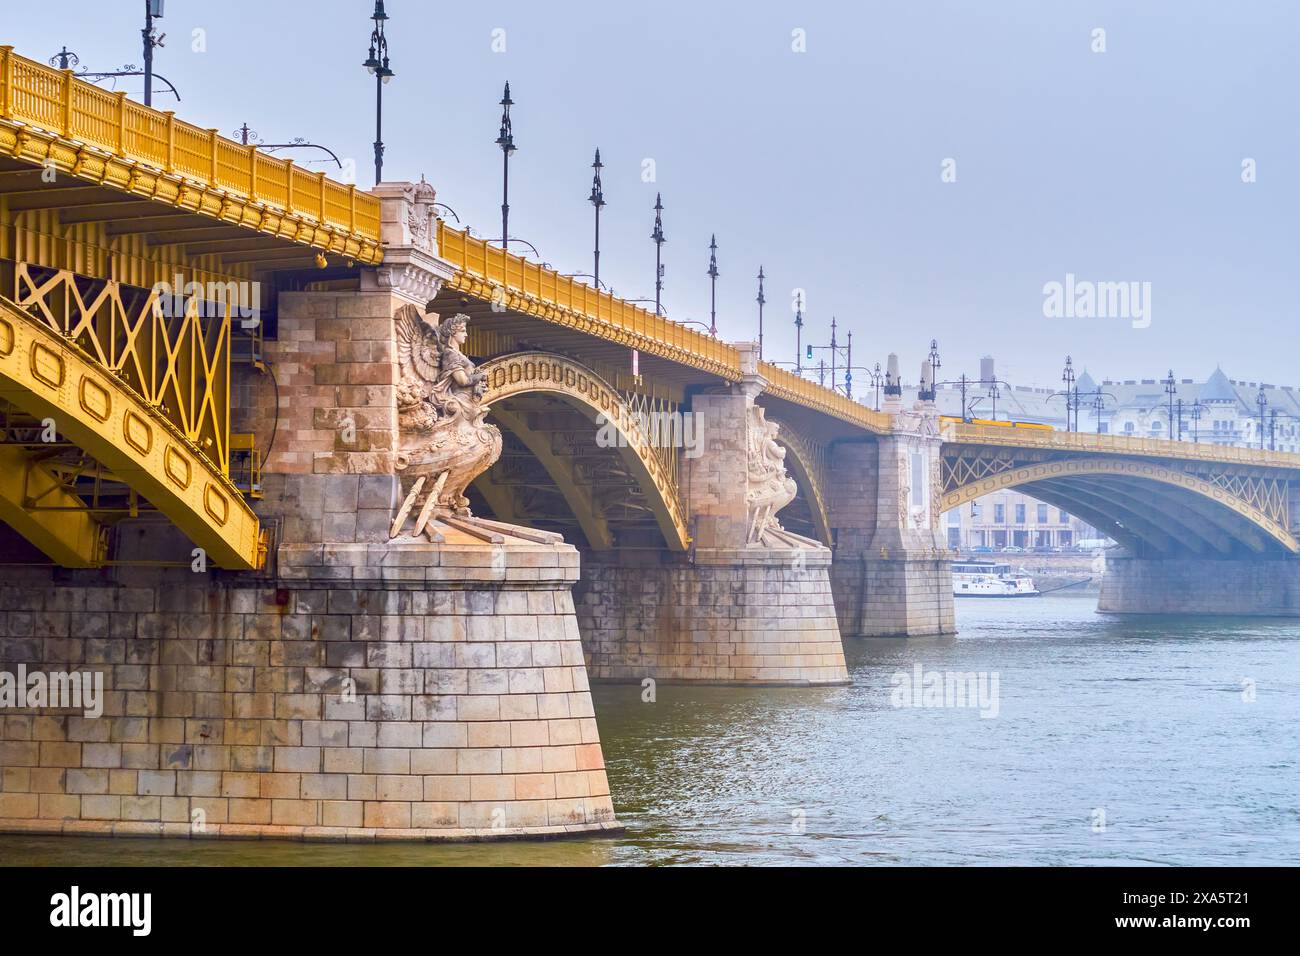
[[713, 285], [929, 395], [1070, 393], [1171, 389], [153, 10], [761, 301], [658, 237], [377, 65], [506, 140], [1261, 400], [798, 335], [597, 199]]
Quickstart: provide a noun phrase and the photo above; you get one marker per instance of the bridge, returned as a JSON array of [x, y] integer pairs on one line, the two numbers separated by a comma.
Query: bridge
[[209, 502]]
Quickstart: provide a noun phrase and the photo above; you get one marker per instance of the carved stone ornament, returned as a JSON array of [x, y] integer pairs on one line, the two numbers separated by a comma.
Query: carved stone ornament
[[769, 488], [421, 214], [443, 441]]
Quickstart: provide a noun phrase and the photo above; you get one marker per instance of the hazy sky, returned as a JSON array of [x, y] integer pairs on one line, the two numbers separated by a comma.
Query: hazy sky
[[825, 165]]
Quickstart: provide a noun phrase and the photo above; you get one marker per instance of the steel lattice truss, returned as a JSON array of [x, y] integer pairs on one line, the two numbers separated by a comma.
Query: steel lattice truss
[[1257, 498]]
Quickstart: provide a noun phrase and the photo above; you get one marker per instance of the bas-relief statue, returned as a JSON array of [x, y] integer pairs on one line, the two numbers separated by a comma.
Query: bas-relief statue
[[769, 489], [443, 441]]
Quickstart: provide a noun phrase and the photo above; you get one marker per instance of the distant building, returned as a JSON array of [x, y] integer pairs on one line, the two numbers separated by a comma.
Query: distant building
[[1218, 411]]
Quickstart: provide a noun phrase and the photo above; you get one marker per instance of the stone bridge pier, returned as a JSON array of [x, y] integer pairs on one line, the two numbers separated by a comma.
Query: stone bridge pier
[[749, 602], [892, 572], [1258, 585]]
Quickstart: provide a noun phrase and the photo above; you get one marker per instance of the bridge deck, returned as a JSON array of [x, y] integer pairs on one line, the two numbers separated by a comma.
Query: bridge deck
[[49, 119], [491, 274]]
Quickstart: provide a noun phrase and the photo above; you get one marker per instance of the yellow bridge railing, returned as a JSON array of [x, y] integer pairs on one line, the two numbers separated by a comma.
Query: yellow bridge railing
[[958, 433], [785, 384], [58, 102], [645, 330], [546, 294]]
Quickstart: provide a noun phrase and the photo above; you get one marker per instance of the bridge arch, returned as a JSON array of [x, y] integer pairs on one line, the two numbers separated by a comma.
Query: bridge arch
[[1143, 504], [805, 462], [110, 396], [612, 418]]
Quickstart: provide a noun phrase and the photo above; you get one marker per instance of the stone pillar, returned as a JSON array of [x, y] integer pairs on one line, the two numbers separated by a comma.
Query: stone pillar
[[1262, 587], [740, 607], [892, 574], [419, 691], [361, 687]]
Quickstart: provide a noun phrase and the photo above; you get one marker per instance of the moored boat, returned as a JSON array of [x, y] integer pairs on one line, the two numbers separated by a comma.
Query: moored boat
[[990, 579]]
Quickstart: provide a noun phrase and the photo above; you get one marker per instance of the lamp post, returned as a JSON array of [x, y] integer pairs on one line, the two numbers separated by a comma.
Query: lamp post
[[1070, 392], [834, 353], [597, 199], [506, 140], [761, 301], [994, 392], [874, 375], [876, 378], [713, 285], [153, 10], [835, 349], [658, 237], [377, 65], [848, 369], [963, 384], [929, 395], [798, 334], [1098, 405], [1261, 400], [1171, 389]]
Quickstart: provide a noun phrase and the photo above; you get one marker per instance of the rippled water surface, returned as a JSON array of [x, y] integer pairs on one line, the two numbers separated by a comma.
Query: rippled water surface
[[1144, 719]]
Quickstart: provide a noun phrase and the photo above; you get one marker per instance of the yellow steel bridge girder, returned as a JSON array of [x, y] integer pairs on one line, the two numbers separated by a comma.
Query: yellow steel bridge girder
[[1060, 471], [47, 376], [63, 529]]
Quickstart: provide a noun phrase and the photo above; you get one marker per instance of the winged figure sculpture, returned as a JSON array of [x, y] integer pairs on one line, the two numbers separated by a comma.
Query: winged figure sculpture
[[443, 441]]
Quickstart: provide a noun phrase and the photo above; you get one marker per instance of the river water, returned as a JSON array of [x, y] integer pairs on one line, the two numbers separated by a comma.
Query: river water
[[1115, 741]]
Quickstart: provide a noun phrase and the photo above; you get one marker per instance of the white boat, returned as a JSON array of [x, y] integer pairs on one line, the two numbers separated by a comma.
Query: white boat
[[990, 579]]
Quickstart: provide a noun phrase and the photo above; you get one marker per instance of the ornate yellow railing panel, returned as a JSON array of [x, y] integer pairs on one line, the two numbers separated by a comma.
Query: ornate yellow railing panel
[[56, 102], [785, 384], [533, 289], [48, 375]]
